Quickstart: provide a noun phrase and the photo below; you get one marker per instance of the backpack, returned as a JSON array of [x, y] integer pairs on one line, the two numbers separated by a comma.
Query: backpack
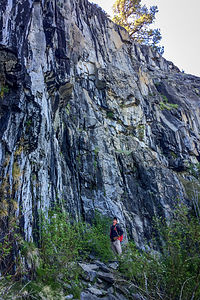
[[120, 237]]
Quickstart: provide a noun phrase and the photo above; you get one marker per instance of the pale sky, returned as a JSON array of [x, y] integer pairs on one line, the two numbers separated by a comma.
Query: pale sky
[[179, 21]]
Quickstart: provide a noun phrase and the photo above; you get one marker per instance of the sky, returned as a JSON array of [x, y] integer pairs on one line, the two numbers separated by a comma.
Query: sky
[[179, 22]]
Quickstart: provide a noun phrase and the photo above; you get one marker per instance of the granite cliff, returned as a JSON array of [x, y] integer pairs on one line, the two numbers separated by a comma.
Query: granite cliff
[[89, 120]]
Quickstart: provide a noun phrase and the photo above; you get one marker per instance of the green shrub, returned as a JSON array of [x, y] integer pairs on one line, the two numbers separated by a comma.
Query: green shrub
[[180, 256], [97, 237], [55, 260], [175, 272], [3, 90], [110, 115], [63, 243], [96, 152], [142, 268], [10, 263], [166, 105], [60, 245]]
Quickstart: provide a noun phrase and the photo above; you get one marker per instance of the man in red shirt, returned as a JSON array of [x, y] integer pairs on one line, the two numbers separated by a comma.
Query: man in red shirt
[[116, 236]]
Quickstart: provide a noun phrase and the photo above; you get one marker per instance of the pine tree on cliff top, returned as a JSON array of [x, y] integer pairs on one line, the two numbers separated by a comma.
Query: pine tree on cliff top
[[136, 19]]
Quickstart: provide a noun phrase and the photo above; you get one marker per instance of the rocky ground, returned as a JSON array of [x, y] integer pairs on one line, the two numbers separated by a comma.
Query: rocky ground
[[91, 121], [105, 282], [99, 281]]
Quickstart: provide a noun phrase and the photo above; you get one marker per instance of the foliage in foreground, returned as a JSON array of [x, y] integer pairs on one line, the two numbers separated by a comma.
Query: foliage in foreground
[[175, 272], [136, 19], [64, 243]]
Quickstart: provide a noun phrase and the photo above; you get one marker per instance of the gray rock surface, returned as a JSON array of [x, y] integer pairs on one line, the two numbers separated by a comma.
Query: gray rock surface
[[69, 297], [88, 296], [114, 265], [108, 277], [112, 286], [87, 121], [90, 273], [102, 266], [96, 291]]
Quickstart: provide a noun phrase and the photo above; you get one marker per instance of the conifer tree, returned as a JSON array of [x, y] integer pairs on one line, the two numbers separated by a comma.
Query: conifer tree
[[136, 19]]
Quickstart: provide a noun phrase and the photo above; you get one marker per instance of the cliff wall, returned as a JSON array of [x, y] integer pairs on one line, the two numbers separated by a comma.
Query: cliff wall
[[90, 120]]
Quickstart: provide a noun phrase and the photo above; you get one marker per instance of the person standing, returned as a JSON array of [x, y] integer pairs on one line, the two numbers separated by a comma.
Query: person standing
[[116, 237]]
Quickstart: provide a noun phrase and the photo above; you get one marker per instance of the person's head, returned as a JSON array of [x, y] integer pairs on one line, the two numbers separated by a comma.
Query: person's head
[[114, 220]]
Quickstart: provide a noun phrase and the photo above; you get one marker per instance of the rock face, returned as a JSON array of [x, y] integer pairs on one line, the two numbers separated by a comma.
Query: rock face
[[90, 120]]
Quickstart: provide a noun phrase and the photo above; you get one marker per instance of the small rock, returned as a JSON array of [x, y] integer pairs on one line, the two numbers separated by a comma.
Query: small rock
[[69, 297], [96, 291], [114, 265], [109, 277], [88, 296], [99, 280], [91, 256], [67, 286], [89, 267], [85, 282], [110, 290], [102, 266], [92, 275]]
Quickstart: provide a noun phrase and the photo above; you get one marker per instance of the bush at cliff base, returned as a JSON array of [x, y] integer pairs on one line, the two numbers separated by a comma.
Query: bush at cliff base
[[174, 272], [64, 242]]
